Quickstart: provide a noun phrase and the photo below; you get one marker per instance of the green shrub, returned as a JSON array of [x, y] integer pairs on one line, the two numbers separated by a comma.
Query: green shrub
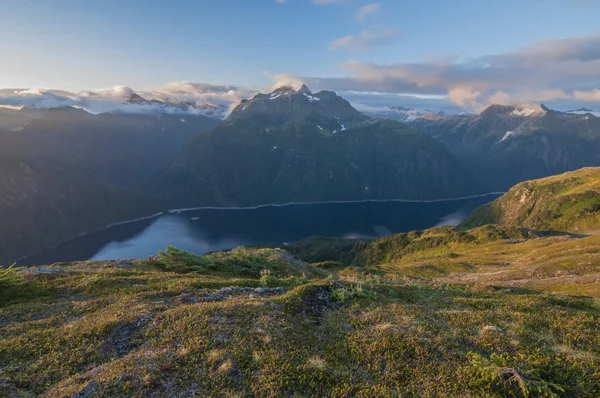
[[12, 282], [241, 262]]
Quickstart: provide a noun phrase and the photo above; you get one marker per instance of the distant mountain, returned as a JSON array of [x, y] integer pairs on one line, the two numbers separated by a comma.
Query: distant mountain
[[117, 148], [143, 105], [293, 145], [568, 202], [64, 171], [42, 204], [504, 145], [583, 111], [405, 115]]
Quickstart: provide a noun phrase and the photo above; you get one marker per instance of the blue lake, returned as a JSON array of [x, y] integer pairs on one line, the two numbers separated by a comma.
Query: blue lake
[[209, 229]]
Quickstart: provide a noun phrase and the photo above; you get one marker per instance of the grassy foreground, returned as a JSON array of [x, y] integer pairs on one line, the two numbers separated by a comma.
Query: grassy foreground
[[437, 313]]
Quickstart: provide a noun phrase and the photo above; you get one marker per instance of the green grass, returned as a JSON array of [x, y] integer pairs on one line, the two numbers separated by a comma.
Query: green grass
[[138, 330], [569, 202]]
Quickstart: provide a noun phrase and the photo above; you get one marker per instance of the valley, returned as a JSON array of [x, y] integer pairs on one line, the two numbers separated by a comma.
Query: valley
[[285, 146], [299, 198], [486, 310]]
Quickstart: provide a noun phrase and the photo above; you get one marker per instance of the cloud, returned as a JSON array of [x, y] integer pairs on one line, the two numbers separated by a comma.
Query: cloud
[[175, 97], [322, 2], [593, 95], [549, 70], [283, 79], [365, 40], [280, 1], [367, 10], [463, 95]]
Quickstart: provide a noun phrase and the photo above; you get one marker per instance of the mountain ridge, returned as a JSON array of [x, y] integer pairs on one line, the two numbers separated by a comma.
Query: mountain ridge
[[309, 147]]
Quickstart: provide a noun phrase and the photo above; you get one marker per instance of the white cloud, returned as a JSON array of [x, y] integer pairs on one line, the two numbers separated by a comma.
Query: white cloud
[[283, 79], [180, 97], [463, 96], [365, 40], [321, 2], [549, 70], [367, 10], [592, 95]]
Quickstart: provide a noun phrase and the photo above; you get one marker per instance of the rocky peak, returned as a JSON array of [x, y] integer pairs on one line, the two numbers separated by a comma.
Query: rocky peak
[[135, 99], [304, 90], [285, 105]]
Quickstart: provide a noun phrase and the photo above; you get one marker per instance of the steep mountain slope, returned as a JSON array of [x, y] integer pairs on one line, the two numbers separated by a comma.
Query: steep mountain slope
[[567, 202], [112, 148], [298, 146], [64, 171], [504, 145], [40, 205]]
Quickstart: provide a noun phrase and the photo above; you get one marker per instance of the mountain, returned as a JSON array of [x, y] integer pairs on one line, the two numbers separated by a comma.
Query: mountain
[[403, 114], [114, 148], [65, 171], [291, 146], [584, 111], [42, 204], [137, 104], [504, 145], [568, 202]]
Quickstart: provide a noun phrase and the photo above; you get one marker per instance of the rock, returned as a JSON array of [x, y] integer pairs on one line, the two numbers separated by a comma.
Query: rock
[[491, 329], [87, 391], [186, 298]]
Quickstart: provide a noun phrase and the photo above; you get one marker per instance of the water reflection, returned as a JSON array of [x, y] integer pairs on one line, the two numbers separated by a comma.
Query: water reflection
[[206, 230]]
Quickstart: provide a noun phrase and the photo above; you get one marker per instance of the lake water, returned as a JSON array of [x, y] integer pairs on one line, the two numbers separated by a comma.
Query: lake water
[[209, 229]]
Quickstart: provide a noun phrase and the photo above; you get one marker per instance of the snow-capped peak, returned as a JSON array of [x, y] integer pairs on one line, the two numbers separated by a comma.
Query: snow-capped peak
[[527, 111]]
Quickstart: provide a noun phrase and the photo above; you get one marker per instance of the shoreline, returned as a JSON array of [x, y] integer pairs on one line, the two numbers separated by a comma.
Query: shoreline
[[182, 210]]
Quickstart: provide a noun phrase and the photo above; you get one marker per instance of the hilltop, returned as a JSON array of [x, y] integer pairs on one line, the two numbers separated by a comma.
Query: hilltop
[[569, 202]]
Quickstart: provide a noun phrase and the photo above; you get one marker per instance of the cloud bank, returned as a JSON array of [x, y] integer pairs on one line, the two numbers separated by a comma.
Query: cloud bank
[[550, 70], [563, 73], [175, 97]]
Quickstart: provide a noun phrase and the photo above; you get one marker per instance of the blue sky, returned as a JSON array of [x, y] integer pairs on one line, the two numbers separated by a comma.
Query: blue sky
[[84, 44]]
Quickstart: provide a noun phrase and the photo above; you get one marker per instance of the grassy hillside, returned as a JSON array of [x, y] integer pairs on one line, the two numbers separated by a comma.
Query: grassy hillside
[[566, 202], [449, 314]]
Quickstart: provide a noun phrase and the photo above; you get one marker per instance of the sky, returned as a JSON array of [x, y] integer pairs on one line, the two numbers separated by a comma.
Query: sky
[[465, 53]]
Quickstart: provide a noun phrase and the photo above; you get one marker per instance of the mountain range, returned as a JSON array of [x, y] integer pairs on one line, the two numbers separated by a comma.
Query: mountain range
[[293, 145], [66, 171], [504, 145]]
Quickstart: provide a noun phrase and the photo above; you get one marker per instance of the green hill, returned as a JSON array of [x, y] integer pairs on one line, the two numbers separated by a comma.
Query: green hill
[[569, 202], [450, 313]]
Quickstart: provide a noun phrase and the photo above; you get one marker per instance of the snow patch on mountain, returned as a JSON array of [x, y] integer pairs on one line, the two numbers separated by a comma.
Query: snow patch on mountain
[[312, 98], [523, 112], [508, 134]]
